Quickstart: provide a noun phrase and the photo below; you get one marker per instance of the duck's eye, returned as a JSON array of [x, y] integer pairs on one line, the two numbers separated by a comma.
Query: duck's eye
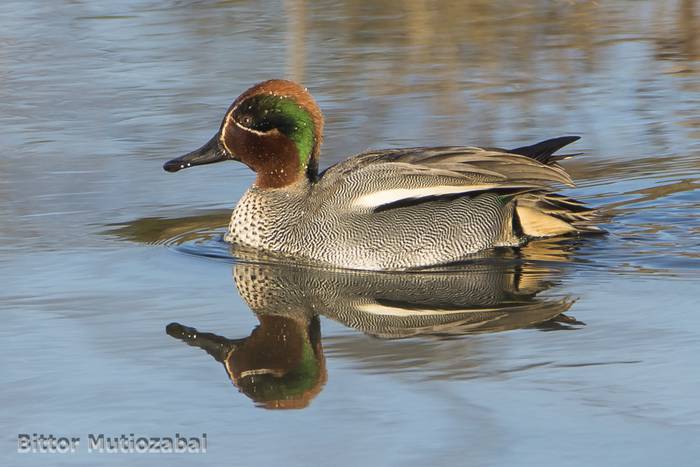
[[246, 120]]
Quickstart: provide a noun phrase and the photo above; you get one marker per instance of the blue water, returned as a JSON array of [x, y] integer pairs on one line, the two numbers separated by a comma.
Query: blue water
[[101, 249]]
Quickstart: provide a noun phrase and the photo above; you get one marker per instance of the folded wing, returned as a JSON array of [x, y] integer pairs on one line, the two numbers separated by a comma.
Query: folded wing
[[377, 180]]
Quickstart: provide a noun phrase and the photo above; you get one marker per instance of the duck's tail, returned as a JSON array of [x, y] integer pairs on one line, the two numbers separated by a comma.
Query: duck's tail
[[544, 150], [544, 214]]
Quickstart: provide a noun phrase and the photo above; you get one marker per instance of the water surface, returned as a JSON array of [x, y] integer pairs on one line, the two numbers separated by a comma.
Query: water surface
[[562, 353]]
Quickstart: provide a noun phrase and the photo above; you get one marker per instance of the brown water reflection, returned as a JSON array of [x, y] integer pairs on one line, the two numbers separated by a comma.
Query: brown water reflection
[[508, 54]]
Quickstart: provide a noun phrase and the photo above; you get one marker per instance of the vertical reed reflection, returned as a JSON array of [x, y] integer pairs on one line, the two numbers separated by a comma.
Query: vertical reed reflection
[[296, 39]]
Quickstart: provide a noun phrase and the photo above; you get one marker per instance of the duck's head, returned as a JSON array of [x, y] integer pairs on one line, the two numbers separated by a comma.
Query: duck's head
[[275, 128]]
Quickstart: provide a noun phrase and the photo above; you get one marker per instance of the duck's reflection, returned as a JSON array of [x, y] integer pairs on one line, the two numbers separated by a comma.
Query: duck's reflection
[[281, 364]]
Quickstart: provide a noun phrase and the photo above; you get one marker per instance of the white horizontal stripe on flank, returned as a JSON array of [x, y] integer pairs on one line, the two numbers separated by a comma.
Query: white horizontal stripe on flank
[[379, 198], [377, 309]]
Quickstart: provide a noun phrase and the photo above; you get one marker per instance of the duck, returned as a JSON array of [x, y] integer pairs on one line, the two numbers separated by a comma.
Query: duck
[[381, 210]]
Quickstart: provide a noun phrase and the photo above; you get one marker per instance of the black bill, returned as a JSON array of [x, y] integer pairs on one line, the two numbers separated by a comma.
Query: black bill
[[208, 154]]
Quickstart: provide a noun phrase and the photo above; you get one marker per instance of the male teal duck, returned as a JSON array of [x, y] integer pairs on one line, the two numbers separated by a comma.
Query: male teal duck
[[391, 209]]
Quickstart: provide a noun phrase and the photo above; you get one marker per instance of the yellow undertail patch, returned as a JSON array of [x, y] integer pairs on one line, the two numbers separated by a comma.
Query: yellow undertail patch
[[536, 223]]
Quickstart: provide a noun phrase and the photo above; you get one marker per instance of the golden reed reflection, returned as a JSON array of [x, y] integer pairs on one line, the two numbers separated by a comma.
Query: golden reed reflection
[[296, 33], [531, 53]]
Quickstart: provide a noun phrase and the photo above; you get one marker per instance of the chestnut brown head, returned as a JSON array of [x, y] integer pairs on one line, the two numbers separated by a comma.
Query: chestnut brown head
[[275, 128]]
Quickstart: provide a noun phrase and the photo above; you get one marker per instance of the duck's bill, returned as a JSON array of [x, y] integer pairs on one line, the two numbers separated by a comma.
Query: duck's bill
[[208, 154], [216, 346]]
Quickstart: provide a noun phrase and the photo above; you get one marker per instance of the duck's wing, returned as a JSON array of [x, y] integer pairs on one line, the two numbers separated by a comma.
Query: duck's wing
[[378, 179]]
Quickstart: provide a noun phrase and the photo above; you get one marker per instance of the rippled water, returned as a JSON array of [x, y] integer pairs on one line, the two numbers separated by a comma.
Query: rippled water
[[562, 353]]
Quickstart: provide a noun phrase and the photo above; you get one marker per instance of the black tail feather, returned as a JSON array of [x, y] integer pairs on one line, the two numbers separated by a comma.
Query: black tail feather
[[543, 151]]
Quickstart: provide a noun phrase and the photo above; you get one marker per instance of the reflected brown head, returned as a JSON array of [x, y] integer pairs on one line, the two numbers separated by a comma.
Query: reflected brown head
[[281, 365]]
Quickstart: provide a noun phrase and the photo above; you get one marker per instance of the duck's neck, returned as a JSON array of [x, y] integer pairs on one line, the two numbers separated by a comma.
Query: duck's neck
[[286, 167], [279, 173], [276, 160]]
